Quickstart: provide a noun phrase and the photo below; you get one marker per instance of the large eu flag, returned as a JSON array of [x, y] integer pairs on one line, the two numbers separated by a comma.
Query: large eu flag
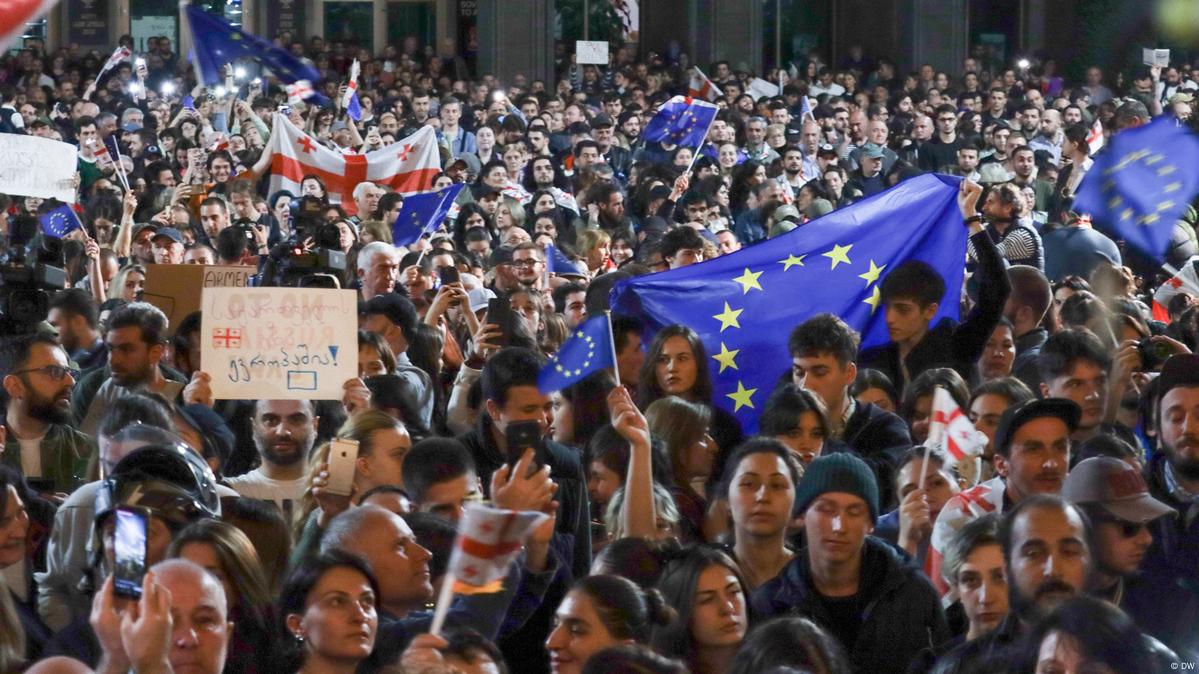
[[745, 305], [1141, 183], [682, 121], [216, 43], [422, 214]]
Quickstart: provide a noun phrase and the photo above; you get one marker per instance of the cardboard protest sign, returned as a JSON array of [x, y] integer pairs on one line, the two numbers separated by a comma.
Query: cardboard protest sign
[[174, 288], [591, 52], [32, 166], [279, 343]]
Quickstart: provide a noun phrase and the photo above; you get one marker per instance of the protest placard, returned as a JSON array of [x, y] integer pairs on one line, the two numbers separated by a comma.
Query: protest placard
[[172, 287], [591, 52], [279, 343], [32, 166]]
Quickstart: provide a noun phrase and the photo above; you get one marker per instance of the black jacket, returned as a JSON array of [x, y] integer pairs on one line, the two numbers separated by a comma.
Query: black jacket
[[574, 519], [949, 343], [902, 613], [879, 437]]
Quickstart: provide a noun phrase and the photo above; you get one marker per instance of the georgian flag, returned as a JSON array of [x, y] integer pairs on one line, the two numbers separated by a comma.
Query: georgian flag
[[406, 166], [1095, 137], [349, 100], [1185, 281], [488, 540], [951, 429], [118, 55], [301, 90], [702, 87]]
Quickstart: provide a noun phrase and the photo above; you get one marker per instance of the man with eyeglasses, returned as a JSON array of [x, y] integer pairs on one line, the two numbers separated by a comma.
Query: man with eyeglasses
[[942, 150], [528, 265], [38, 437]]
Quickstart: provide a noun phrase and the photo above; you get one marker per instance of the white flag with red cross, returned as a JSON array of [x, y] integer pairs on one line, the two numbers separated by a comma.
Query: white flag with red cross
[[1095, 138], [953, 431], [406, 166], [488, 540], [702, 87]]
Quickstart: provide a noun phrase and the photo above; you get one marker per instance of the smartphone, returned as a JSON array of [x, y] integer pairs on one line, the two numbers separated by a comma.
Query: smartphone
[[499, 311], [521, 435], [343, 454], [448, 275], [129, 551]]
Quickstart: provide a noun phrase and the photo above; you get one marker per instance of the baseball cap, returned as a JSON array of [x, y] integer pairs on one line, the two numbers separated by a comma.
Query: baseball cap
[[484, 190], [826, 150], [787, 212], [170, 233], [1181, 369], [397, 308], [1116, 486], [872, 151], [1017, 415], [142, 226], [130, 127], [578, 129], [1181, 97], [602, 121], [479, 297]]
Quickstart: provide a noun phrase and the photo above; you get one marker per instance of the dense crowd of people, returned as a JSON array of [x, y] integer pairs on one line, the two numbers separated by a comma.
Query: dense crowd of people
[[828, 542]]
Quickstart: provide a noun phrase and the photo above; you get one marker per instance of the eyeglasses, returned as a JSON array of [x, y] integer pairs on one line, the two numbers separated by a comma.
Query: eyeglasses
[[54, 372], [525, 263]]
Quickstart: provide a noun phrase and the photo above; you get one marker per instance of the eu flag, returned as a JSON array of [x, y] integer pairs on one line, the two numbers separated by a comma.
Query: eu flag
[[682, 121], [587, 350], [557, 263], [1141, 183], [744, 305], [216, 43], [60, 221], [422, 213]]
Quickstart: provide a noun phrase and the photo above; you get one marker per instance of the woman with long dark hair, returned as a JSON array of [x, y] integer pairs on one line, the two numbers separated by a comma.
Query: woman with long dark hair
[[676, 363], [706, 588], [600, 612]]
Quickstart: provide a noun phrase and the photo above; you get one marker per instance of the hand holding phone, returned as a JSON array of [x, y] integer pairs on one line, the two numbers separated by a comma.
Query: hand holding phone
[[499, 313], [343, 455], [129, 539]]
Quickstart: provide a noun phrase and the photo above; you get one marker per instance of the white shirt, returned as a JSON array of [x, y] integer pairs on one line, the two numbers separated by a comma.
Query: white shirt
[[31, 456], [283, 493]]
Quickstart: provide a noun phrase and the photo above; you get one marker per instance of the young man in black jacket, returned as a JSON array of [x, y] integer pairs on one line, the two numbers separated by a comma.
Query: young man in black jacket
[[509, 382], [882, 609], [913, 293], [823, 349]]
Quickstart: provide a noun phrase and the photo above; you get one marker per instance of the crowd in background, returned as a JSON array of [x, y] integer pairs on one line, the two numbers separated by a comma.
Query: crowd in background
[[828, 542]]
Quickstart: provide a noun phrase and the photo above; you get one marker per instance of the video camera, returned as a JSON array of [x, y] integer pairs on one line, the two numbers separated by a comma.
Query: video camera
[[30, 271], [292, 264]]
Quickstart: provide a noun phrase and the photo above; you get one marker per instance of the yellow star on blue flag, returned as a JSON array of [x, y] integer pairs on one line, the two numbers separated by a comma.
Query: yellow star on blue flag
[[1141, 183], [216, 42], [745, 325], [422, 213]]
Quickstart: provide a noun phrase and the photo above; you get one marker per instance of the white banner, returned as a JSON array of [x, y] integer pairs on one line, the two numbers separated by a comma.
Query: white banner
[[279, 343], [37, 167]]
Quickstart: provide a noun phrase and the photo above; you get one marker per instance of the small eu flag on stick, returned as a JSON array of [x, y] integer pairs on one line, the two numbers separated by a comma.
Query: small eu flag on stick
[[60, 221], [589, 349]]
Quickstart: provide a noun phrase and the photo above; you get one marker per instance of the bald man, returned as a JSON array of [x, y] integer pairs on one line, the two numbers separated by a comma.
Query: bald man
[[199, 618]]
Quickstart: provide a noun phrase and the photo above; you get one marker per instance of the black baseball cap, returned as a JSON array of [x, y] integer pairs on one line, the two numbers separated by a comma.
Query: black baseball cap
[[397, 308], [1181, 369], [1017, 415]]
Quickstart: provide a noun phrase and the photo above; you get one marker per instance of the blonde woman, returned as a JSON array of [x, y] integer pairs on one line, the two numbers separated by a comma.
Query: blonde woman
[[595, 247], [383, 442]]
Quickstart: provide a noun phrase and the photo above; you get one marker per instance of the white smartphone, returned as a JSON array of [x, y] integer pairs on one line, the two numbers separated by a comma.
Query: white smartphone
[[343, 454]]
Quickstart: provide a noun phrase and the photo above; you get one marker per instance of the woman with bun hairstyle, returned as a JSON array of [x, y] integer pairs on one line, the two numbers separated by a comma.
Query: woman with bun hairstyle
[[706, 588], [599, 612]]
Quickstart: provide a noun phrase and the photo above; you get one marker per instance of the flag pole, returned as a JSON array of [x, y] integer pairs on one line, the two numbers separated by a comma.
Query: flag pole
[[695, 154], [116, 145], [184, 24], [444, 598], [612, 345], [928, 443]]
